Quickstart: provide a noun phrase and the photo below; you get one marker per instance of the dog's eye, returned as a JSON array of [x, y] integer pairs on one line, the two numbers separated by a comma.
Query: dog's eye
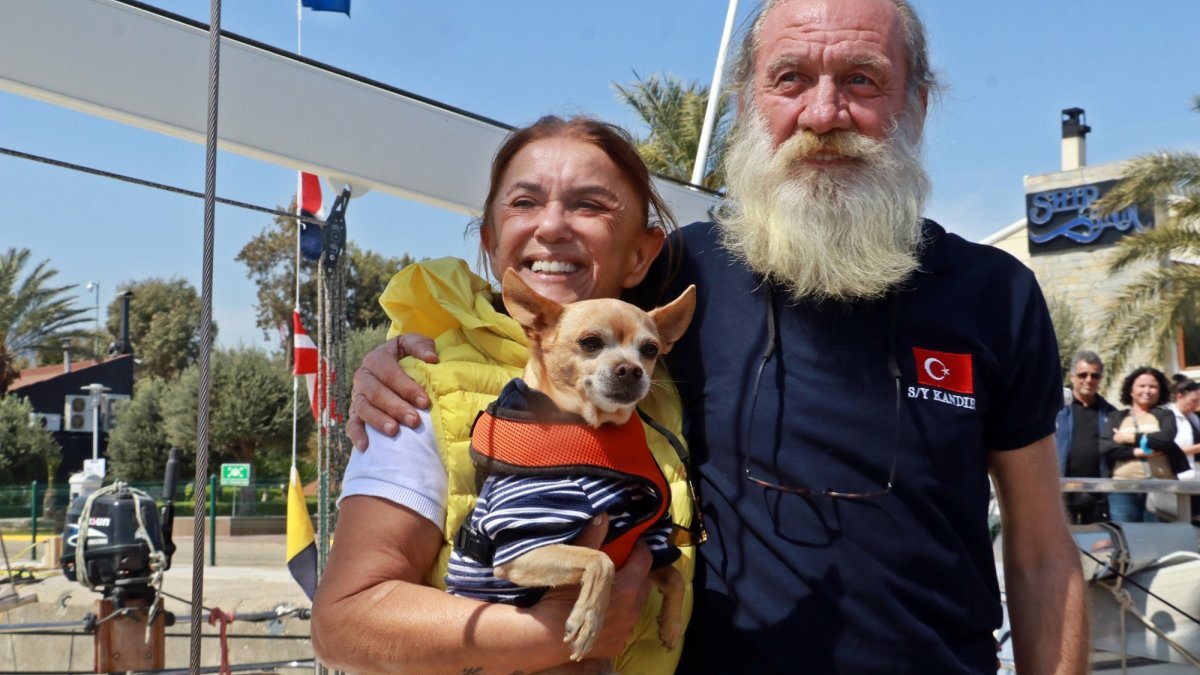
[[591, 343], [649, 350]]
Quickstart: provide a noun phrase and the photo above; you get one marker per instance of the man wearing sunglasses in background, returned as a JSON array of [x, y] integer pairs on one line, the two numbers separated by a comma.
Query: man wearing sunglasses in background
[[852, 375], [1077, 438]]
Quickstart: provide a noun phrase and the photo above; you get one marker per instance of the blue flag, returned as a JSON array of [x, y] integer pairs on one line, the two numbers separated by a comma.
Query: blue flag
[[342, 6]]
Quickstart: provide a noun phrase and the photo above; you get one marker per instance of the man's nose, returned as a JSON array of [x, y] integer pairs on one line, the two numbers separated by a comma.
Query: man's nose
[[554, 223], [825, 110]]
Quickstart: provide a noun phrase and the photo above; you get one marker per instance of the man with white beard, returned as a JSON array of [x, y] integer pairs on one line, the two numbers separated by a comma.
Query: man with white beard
[[852, 375]]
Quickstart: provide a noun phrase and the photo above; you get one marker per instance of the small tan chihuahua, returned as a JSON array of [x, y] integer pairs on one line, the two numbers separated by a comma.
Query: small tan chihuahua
[[592, 359]]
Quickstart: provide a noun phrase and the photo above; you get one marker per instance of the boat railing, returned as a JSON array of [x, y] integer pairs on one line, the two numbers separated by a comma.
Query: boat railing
[[1183, 490]]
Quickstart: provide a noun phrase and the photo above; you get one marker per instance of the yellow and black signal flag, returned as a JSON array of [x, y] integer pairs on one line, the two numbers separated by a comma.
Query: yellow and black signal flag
[[301, 544]]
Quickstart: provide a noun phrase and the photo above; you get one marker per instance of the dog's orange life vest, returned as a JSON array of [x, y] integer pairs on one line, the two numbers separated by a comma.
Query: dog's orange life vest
[[514, 442]]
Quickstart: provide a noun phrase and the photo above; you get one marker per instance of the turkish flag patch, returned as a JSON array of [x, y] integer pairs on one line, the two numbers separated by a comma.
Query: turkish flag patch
[[944, 370]]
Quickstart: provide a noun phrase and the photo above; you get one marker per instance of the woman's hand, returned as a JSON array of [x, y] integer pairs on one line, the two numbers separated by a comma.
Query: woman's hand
[[383, 395], [1121, 436]]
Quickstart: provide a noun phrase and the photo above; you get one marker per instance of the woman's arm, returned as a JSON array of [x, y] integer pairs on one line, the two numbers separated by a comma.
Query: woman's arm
[[1163, 440], [372, 613], [1112, 449]]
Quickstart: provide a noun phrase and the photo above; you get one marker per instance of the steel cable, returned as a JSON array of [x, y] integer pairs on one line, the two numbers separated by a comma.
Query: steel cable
[[206, 337], [152, 184]]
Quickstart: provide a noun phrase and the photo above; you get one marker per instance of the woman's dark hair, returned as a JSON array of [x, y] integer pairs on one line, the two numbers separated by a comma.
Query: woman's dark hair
[[1164, 387], [1183, 385], [615, 143]]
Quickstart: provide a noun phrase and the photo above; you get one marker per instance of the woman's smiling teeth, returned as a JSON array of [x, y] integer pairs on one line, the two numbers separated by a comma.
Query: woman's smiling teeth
[[553, 267]]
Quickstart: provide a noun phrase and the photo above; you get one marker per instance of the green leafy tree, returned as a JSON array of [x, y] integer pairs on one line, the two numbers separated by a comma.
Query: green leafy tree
[[138, 444], [1151, 308], [24, 447], [674, 112], [358, 342], [270, 259], [164, 324], [33, 313], [1068, 329], [362, 340], [251, 411]]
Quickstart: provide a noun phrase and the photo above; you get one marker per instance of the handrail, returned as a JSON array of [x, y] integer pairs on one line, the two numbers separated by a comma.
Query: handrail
[[1183, 489]]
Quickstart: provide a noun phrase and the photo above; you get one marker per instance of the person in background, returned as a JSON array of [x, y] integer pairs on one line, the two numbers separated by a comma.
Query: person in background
[[1077, 438], [1185, 394], [1185, 400], [1139, 442]]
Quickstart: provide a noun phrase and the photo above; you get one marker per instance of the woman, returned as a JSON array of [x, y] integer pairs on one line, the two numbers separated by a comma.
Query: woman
[[1185, 394], [1139, 442], [571, 208], [1185, 400]]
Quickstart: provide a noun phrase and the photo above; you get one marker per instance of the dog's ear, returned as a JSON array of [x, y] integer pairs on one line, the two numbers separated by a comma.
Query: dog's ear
[[534, 312], [672, 320]]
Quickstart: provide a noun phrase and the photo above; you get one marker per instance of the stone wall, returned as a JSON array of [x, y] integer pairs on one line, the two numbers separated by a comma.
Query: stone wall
[[1080, 278]]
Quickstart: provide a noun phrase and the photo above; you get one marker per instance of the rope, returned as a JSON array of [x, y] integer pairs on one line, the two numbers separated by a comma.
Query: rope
[[331, 330], [206, 334], [1125, 600], [217, 616], [8, 567], [322, 439], [1122, 562], [323, 450], [157, 561], [151, 184], [81, 535]]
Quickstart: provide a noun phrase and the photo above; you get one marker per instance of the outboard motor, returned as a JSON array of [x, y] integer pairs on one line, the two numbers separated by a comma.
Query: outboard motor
[[117, 541]]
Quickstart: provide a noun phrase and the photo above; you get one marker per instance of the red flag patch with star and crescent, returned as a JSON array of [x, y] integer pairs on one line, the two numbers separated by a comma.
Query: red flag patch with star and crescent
[[944, 370]]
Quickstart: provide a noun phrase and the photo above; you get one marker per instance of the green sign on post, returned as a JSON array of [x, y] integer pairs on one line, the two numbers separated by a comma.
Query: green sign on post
[[235, 475]]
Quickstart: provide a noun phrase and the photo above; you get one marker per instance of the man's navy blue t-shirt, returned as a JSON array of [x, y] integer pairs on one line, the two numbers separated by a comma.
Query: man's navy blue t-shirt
[[899, 583]]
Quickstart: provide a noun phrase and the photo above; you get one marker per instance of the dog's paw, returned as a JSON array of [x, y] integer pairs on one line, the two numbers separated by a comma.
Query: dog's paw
[[582, 626], [669, 631]]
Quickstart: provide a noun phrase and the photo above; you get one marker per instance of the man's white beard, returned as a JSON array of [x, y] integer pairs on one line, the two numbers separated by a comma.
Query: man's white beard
[[842, 232]]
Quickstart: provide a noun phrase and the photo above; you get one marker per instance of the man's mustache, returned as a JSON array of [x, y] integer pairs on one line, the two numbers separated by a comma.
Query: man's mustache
[[805, 144]]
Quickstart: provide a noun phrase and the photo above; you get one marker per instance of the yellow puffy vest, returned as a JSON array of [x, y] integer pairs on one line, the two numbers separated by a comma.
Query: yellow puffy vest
[[480, 349]]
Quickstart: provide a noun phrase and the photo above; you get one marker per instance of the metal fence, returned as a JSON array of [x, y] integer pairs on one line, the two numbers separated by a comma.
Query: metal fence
[[264, 496], [37, 510]]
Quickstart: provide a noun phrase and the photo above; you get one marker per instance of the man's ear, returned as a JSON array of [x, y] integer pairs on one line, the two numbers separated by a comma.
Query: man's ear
[[672, 320], [649, 244], [534, 312]]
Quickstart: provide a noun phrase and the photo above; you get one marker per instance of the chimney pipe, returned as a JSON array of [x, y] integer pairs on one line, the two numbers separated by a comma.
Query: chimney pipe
[[66, 345], [1074, 139], [124, 346]]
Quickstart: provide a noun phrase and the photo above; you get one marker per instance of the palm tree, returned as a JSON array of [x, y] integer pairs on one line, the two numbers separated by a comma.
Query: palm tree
[[1151, 308], [674, 112], [32, 313]]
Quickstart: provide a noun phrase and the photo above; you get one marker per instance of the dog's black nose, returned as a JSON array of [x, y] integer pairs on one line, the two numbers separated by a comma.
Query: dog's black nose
[[628, 371]]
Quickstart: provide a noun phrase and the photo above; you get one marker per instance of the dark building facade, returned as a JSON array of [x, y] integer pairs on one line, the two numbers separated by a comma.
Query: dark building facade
[[62, 404]]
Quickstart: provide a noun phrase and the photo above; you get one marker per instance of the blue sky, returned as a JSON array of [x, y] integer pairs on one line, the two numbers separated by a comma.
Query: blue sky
[[1009, 67]]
